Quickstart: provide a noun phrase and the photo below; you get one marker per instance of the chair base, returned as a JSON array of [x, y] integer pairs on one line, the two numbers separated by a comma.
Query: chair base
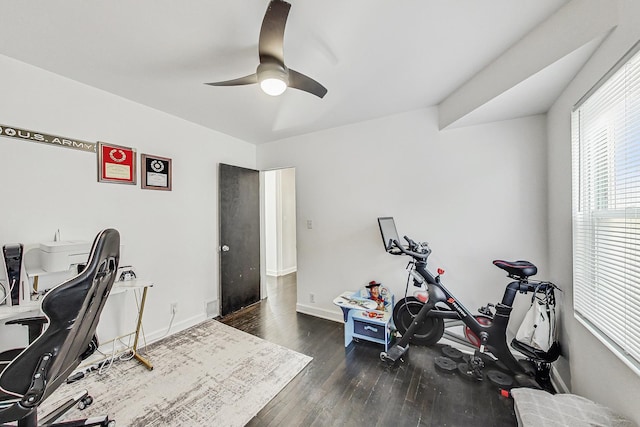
[[49, 419], [96, 421], [32, 421]]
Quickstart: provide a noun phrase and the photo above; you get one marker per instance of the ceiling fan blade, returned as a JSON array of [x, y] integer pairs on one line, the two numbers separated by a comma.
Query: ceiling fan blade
[[270, 45], [246, 80], [305, 83]]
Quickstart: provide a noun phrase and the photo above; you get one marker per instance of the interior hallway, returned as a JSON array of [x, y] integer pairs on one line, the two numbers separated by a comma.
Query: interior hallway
[[351, 386]]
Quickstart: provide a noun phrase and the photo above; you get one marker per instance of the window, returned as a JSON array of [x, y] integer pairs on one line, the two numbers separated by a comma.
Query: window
[[606, 209]]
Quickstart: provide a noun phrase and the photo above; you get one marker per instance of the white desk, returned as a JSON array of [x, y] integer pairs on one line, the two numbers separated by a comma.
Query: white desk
[[7, 312]]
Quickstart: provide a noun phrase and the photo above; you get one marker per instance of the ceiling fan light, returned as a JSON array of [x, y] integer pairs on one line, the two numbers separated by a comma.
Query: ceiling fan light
[[273, 86], [273, 78]]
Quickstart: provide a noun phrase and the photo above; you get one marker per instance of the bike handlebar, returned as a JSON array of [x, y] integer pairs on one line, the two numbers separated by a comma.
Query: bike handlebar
[[424, 249]]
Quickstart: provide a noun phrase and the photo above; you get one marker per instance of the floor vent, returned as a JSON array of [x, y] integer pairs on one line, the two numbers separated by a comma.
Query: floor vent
[[212, 309]]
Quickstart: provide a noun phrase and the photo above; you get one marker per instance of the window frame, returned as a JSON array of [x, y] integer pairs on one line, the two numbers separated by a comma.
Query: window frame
[[603, 177]]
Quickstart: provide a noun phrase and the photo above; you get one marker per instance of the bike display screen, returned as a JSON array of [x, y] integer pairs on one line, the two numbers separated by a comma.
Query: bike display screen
[[388, 232]]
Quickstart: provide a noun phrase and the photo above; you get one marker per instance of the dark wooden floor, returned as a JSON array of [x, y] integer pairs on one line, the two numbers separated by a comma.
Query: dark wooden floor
[[351, 386]]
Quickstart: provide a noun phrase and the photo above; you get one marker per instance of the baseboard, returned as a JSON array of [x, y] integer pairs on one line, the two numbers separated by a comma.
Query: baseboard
[[320, 312], [176, 327], [557, 382], [278, 273]]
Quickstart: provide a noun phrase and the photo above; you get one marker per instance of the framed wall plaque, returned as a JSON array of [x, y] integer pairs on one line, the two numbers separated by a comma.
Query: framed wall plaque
[[156, 172], [116, 163]]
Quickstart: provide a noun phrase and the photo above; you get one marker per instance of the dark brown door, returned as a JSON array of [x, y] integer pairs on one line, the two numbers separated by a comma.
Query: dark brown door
[[239, 191]]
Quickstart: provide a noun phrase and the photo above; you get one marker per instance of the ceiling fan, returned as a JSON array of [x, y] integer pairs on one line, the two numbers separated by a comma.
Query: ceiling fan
[[274, 77]]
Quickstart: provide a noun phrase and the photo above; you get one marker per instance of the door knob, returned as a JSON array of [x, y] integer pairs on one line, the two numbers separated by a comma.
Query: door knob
[[225, 248]]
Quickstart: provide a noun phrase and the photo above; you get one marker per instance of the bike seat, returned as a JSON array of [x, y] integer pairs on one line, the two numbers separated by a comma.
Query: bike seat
[[517, 268]]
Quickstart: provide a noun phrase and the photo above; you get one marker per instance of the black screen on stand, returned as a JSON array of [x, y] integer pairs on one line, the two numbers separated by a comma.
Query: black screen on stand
[[388, 232]]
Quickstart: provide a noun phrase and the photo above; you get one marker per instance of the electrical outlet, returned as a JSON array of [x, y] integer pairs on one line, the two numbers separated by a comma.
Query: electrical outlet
[[174, 307], [312, 298]]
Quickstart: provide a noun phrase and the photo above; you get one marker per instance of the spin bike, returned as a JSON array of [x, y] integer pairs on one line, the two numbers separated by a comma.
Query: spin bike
[[421, 320]]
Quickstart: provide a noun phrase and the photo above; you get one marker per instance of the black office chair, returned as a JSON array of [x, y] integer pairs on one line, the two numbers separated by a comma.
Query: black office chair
[[28, 376]]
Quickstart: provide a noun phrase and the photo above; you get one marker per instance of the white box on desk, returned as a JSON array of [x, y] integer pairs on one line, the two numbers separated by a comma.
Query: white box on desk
[[60, 256]]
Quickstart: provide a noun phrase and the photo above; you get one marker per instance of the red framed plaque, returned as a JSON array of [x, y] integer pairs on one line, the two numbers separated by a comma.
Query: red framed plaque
[[116, 163]]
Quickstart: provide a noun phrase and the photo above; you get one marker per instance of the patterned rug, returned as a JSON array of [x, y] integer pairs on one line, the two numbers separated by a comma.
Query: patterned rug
[[208, 375]]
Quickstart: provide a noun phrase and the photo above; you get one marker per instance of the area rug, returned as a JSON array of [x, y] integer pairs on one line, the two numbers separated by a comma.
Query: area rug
[[208, 375]]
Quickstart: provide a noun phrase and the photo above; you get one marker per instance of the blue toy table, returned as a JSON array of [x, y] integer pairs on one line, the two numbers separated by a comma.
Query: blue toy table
[[363, 321]]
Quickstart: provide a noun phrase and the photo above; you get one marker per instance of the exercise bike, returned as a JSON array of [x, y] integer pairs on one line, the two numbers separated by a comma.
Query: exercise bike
[[421, 319]]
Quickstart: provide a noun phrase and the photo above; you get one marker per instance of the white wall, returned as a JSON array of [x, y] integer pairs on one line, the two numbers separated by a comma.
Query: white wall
[[476, 194], [594, 371], [170, 237]]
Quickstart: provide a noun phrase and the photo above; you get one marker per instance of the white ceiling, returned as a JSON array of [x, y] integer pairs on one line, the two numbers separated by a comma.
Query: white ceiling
[[376, 57]]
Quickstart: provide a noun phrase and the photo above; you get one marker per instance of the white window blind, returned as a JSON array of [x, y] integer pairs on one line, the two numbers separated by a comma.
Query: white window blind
[[606, 209]]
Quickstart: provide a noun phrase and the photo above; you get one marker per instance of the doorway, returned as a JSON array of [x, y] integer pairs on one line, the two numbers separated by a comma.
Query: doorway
[[280, 227]]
